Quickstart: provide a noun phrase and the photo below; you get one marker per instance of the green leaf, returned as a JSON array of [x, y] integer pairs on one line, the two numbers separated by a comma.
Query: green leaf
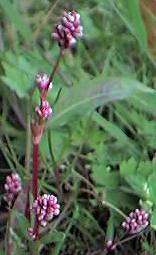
[[52, 236], [19, 74], [17, 19], [145, 168], [110, 228], [146, 102], [132, 167], [130, 13], [120, 199], [138, 184], [60, 143], [136, 176], [88, 22], [108, 179], [128, 167], [22, 227], [88, 95], [152, 187], [153, 219], [111, 128]]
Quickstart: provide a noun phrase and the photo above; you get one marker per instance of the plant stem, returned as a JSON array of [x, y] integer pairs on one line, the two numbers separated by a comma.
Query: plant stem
[[55, 66], [28, 139], [35, 171], [8, 247], [27, 160], [37, 134], [106, 203], [35, 183], [127, 239]]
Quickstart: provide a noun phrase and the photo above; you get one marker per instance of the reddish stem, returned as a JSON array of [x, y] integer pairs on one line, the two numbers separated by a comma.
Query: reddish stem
[[35, 183], [35, 171], [55, 66], [54, 69]]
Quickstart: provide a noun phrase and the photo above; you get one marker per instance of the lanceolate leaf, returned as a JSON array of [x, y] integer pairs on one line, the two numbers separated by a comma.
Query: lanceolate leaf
[[89, 95]]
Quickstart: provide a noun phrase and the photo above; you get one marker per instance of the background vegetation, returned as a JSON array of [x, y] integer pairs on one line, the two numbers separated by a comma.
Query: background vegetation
[[100, 143]]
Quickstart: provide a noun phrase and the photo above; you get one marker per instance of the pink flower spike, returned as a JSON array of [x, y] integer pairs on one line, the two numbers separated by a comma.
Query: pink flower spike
[[44, 110], [68, 30], [46, 207], [137, 221], [12, 187]]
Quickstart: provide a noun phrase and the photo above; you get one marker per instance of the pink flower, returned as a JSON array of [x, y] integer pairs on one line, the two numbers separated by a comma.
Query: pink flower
[[136, 221], [68, 30], [110, 246], [42, 80], [46, 207], [44, 110], [12, 187]]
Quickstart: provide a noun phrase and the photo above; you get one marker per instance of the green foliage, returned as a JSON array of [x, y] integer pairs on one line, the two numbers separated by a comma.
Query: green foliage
[[17, 72], [153, 219], [52, 235], [131, 15], [104, 177], [11, 11]]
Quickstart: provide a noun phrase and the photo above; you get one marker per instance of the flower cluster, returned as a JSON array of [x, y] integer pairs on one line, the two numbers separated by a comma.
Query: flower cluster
[[136, 221], [42, 80], [44, 110], [12, 187], [68, 30], [46, 207]]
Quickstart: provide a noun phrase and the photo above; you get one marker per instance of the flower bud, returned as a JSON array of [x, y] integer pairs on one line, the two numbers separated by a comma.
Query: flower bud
[[42, 80], [44, 110], [110, 246]]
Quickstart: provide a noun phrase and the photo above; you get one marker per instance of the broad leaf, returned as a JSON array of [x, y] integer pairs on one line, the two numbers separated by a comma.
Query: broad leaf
[[105, 178], [90, 94]]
